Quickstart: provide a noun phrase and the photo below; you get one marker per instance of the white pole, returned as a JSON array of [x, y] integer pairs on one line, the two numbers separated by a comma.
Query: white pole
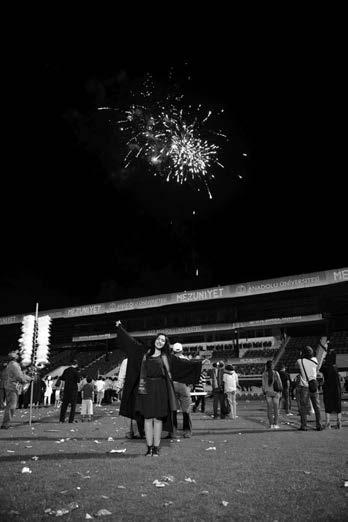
[[34, 364]]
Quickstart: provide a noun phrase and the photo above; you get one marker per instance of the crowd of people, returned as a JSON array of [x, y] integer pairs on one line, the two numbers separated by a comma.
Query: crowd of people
[[157, 381]]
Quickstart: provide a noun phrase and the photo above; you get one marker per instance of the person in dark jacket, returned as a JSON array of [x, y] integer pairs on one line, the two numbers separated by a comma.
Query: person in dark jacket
[[71, 377], [332, 393], [2, 385], [148, 387], [285, 396]]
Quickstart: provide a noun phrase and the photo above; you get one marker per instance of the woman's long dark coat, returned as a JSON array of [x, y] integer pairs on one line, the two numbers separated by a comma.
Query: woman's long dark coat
[[332, 393], [182, 370]]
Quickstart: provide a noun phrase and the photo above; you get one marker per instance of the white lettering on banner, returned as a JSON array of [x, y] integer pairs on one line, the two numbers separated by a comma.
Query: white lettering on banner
[[201, 295], [281, 285], [228, 326], [84, 310], [254, 360], [138, 303], [10, 319], [93, 337], [341, 275], [221, 292]]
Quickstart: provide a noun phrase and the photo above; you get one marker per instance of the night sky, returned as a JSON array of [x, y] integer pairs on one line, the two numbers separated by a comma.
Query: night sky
[[77, 228]]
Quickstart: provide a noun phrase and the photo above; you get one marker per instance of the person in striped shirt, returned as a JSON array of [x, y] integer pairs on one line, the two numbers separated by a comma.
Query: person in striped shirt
[[200, 388]]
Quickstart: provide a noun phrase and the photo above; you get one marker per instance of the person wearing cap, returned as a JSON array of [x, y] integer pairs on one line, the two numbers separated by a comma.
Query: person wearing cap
[[182, 392], [13, 377], [71, 377]]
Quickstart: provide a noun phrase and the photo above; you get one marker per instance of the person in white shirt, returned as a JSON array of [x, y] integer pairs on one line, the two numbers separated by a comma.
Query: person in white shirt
[[100, 389], [308, 367], [230, 380], [48, 391]]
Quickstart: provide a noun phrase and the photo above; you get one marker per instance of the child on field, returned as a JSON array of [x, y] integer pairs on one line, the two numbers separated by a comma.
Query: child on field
[[87, 396]]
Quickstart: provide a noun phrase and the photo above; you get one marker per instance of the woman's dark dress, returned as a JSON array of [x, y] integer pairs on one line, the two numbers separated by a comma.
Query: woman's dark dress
[[155, 403], [187, 372]]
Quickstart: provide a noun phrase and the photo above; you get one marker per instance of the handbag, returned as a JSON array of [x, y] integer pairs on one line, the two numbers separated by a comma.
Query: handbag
[[313, 383], [225, 406]]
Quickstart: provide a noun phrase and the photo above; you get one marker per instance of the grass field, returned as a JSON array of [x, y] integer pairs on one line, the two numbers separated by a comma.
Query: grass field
[[229, 470]]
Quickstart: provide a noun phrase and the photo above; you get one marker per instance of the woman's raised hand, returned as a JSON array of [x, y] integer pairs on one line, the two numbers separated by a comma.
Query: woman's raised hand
[[118, 323]]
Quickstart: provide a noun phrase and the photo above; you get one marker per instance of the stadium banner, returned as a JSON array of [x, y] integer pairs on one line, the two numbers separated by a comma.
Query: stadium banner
[[230, 326], [99, 337], [280, 284]]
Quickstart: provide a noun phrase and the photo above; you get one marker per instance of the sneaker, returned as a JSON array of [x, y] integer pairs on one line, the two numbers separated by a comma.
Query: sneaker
[[187, 435], [276, 427], [319, 428], [339, 424], [302, 429], [290, 413], [327, 426], [271, 427]]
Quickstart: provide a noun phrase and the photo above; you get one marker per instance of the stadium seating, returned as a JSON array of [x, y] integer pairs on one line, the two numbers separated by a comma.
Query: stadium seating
[[339, 342], [265, 352], [293, 349], [103, 364]]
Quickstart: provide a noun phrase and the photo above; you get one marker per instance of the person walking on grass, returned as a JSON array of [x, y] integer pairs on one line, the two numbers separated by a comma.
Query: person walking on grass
[[272, 388], [148, 387], [71, 379], [13, 377]]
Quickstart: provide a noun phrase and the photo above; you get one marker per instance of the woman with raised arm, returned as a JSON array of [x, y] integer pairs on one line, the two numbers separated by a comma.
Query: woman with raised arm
[[148, 389]]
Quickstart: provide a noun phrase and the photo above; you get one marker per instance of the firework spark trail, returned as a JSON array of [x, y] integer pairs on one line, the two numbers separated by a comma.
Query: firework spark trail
[[171, 139]]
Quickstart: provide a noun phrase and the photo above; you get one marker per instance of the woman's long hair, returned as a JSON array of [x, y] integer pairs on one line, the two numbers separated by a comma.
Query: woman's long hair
[[269, 369], [164, 350]]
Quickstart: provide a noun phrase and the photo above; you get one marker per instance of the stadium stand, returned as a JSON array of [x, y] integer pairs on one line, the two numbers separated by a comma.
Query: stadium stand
[[293, 349], [103, 364], [265, 352], [339, 341]]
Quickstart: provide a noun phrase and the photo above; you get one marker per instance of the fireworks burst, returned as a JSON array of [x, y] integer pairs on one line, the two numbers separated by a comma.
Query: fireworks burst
[[175, 141]]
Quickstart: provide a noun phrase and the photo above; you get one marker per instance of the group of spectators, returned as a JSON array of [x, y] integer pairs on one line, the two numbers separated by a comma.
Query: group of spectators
[[278, 388]]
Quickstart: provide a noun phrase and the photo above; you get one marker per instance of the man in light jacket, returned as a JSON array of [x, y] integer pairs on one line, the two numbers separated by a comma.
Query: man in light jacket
[[230, 379], [13, 377], [308, 367]]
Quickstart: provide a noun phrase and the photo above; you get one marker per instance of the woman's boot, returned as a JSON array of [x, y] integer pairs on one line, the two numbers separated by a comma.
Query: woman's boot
[[155, 451], [149, 451]]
